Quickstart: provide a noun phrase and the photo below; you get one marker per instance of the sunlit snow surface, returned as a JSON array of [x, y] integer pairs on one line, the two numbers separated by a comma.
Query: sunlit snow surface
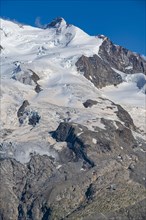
[[52, 55], [131, 94], [131, 91]]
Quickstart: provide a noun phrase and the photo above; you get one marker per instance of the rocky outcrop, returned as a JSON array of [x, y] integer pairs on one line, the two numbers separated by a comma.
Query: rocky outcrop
[[21, 110], [72, 188], [12, 183], [124, 116], [33, 118], [28, 77], [97, 173], [24, 114], [1, 48], [121, 58], [89, 103], [87, 145], [98, 71], [22, 182], [55, 23], [35, 79], [38, 88], [133, 212], [69, 133], [34, 76]]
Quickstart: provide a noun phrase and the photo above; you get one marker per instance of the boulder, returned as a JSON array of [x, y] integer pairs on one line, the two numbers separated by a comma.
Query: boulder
[[89, 103]]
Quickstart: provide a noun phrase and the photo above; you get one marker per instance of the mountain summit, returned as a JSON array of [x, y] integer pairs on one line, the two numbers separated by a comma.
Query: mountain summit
[[72, 125], [56, 23]]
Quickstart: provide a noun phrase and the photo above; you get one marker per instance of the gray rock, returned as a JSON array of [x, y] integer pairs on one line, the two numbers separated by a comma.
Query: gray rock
[[34, 76], [82, 145], [28, 77], [89, 103], [131, 167], [35, 79], [34, 118], [98, 71], [1, 48], [21, 110], [38, 88], [23, 113], [39, 190], [124, 116], [121, 58], [55, 23], [133, 212]]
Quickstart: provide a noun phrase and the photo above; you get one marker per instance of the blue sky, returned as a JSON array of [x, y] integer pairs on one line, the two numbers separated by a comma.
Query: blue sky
[[124, 22]]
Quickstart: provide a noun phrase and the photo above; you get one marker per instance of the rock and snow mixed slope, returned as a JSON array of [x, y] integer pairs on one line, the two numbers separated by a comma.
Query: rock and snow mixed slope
[[63, 133]]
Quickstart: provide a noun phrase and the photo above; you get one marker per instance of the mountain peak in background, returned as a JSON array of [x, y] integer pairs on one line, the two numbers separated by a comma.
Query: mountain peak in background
[[57, 22]]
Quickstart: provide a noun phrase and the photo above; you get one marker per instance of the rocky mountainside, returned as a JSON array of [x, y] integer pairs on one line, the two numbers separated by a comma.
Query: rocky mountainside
[[73, 137], [121, 58]]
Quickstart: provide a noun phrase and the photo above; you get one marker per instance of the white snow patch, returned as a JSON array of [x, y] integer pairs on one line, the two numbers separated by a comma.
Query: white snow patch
[[59, 166], [79, 134], [129, 67], [94, 141], [59, 146], [125, 93]]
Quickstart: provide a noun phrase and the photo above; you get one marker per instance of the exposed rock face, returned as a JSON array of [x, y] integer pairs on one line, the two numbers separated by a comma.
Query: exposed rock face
[[35, 78], [38, 88], [21, 110], [1, 48], [124, 116], [23, 114], [80, 139], [93, 180], [67, 132], [55, 23], [89, 103], [28, 77], [97, 71], [121, 58], [20, 182], [33, 118]]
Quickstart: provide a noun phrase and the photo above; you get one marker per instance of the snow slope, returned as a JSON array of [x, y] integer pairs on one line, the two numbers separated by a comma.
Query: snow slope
[[131, 91], [52, 53], [131, 94]]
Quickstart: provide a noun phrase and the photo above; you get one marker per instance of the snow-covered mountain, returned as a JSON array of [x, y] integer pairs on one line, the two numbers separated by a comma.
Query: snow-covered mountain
[[68, 101]]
